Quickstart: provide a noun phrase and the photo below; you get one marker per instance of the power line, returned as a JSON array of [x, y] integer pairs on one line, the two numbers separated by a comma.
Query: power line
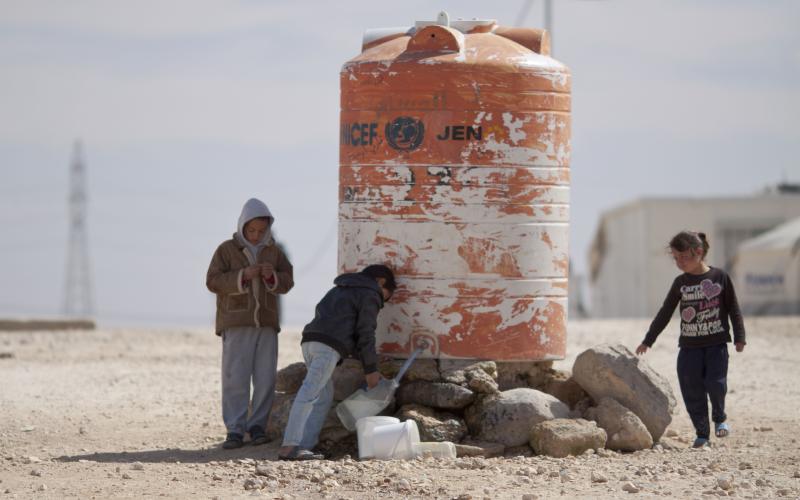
[[322, 247]]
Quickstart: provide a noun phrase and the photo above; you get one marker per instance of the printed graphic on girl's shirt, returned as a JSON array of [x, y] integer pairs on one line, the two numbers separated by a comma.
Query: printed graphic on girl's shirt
[[700, 309]]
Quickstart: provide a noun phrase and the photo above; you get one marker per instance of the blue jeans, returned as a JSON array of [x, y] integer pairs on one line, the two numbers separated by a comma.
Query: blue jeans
[[702, 373], [313, 401]]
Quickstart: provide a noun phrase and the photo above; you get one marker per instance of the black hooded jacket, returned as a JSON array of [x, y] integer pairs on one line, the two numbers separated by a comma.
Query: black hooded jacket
[[345, 319]]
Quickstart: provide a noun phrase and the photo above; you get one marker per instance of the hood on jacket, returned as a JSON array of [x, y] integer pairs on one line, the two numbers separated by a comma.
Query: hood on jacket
[[252, 209], [358, 280]]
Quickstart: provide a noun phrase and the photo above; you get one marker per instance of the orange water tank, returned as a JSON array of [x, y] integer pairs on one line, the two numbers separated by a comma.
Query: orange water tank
[[454, 170]]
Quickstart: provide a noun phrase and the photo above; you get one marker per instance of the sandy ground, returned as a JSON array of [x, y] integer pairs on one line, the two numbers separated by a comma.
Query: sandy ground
[[136, 413]]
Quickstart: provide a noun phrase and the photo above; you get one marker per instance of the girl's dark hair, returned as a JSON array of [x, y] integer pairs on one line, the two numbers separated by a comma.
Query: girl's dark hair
[[689, 240], [380, 271]]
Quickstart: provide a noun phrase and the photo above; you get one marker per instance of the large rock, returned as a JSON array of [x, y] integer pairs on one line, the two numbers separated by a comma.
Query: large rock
[[561, 385], [423, 369], [625, 430], [290, 378], [433, 425], [435, 394], [347, 378], [480, 381], [507, 417], [455, 371], [516, 374], [563, 437], [279, 415], [611, 370]]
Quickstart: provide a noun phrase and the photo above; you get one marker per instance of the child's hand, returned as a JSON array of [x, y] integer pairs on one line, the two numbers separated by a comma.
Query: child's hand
[[267, 270], [373, 379], [641, 349], [739, 346], [251, 272]]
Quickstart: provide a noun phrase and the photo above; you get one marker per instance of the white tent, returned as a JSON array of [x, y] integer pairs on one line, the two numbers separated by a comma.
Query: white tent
[[767, 271]]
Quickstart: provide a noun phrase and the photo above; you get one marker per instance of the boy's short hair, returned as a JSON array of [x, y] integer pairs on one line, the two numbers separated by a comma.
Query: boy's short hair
[[268, 220], [380, 271]]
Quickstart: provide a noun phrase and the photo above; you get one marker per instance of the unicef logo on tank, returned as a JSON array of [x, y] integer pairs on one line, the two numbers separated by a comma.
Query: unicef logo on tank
[[405, 133]]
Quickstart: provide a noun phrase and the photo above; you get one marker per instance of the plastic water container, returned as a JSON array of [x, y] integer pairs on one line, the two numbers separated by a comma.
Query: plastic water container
[[444, 449], [365, 428], [395, 441], [363, 403]]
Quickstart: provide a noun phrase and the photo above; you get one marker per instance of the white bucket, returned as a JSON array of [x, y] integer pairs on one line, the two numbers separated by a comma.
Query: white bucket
[[444, 449], [395, 441], [365, 428]]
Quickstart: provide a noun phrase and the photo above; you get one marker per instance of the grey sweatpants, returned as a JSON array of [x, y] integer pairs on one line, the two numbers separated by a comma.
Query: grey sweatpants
[[248, 353]]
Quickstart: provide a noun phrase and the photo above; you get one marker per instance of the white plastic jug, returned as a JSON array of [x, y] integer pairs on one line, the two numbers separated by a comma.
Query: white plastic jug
[[444, 449], [363, 403], [395, 441], [365, 428]]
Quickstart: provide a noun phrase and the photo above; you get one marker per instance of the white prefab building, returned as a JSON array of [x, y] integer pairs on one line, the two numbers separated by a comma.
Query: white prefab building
[[631, 269], [766, 271]]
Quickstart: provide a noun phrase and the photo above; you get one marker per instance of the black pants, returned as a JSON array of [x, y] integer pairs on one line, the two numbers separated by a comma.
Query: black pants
[[702, 373]]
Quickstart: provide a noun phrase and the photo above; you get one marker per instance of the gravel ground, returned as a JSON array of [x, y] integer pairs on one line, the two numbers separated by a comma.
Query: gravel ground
[[136, 413]]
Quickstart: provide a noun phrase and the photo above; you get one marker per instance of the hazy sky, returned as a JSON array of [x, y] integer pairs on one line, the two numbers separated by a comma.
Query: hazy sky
[[188, 108]]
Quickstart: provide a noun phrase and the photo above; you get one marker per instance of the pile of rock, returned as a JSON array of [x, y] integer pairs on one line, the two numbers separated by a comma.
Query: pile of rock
[[612, 399]]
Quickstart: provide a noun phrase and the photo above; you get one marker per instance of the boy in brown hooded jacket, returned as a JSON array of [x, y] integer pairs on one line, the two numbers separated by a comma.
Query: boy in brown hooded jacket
[[247, 272]]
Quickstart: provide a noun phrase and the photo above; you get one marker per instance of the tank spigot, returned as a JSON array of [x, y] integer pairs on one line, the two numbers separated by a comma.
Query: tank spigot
[[424, 342]]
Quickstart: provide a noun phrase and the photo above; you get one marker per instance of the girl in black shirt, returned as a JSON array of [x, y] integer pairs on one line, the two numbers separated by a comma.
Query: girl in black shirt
[[708, 309]]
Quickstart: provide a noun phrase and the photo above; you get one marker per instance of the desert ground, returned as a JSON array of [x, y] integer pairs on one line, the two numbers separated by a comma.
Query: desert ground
[[123, 413]]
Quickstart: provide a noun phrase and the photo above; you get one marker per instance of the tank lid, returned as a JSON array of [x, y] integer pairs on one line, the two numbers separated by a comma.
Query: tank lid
[[462, 25], [375, 35]]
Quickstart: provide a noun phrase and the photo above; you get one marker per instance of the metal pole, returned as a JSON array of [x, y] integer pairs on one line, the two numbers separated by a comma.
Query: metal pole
[[523, 13], [548, 21]]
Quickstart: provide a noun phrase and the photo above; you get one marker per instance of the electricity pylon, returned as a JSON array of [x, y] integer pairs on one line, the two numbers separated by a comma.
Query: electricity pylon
[[78, 283]]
